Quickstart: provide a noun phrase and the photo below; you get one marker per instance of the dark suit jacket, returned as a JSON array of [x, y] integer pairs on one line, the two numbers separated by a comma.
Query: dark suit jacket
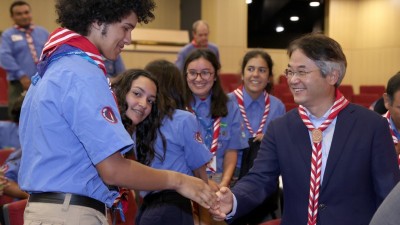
[[361, 169]]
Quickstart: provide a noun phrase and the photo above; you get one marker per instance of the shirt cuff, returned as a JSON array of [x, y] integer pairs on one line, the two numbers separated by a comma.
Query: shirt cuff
[[233, 212]]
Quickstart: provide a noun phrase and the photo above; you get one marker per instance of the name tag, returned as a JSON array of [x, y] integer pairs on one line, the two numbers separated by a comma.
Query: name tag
[[16, 37]]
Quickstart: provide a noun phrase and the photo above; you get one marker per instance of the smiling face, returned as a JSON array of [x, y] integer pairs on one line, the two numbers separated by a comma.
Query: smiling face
[[199, 86], [256, 76], [21, 15], [312, 90], [110, 39], [140, 99]]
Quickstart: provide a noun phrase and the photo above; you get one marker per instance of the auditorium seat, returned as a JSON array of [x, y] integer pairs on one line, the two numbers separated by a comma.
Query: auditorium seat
[[230, 81], [372, 89], [14, 212], [3, 87], [347, 91], [365, 99]]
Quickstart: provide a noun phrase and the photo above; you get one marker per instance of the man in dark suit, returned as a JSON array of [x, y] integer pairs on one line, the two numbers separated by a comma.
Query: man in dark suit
[[337, 159]]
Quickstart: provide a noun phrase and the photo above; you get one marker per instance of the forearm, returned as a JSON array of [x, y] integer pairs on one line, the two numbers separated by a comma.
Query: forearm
[[14, 191], [201, 173], [116, 170], [230, 160]]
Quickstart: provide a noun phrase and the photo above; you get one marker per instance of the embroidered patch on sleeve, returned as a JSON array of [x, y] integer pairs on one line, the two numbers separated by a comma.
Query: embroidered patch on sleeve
[[198, 138], [109, 115]]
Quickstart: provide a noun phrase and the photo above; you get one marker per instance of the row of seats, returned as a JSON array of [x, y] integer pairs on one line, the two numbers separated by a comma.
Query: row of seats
[[3, 87]]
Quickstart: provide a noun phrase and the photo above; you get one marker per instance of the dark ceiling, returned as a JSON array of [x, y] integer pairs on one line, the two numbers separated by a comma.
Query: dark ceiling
[[265, 15]]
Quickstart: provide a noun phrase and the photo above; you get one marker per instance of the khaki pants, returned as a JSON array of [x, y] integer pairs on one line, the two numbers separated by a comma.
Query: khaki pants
[[37, 213]]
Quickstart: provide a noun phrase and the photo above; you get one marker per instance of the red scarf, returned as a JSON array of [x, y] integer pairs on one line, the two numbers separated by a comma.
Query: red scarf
[[316, 158], [64, 36], [239, 96]]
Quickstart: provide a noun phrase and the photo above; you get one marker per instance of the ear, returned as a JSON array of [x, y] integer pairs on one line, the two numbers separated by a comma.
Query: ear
[[386, 100], [333, 77], [96, 25]]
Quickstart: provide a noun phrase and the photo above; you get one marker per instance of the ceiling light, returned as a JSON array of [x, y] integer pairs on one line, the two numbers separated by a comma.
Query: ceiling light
[[249, 1], [279, 29], [294, 18], [314, 4]]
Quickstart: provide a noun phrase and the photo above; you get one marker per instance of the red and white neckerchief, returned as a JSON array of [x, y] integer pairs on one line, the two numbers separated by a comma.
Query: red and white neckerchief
[[65, 36], [395, 140], [29, 39], [239, 96], [212, 165], [316, 157]]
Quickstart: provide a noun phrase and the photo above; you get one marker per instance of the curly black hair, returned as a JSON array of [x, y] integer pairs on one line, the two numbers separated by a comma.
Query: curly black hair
[[77, 15], [146, 131]]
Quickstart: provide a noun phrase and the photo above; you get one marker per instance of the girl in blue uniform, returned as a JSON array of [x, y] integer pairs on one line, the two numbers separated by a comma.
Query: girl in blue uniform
[[257, 108], [219, 117], [175, 144]]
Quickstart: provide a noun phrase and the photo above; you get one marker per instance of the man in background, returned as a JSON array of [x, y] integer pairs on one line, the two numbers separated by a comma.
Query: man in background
[[20, 49], [200, 32]]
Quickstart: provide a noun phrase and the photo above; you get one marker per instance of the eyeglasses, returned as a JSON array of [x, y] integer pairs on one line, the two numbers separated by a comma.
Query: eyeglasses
[[301, 73], [204, 74]]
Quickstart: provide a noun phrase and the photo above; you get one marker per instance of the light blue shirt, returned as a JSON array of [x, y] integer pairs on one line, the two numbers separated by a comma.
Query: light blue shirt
[[15, 55], [11, 166], [9, 136], [115, 67], [230, 135], [185, 150], [69, 123]]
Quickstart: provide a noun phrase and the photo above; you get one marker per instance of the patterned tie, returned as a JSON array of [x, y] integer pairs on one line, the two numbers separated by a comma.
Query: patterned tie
[[316, 157], [395, 140], [29, 39], [239, 96]]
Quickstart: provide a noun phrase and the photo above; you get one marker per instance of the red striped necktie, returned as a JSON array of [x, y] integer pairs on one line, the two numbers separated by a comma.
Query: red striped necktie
[[29, 39], [316, 157], [239, 96], [395, 140]]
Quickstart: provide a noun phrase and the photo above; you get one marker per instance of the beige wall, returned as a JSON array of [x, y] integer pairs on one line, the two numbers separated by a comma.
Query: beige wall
[[366, 29]]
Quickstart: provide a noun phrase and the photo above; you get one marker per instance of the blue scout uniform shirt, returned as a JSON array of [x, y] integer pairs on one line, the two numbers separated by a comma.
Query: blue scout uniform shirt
[[11, 166], [15, 55], [9, 136], [254, 111], [185, 149], [230, 135], [115, 67], [70, 123]]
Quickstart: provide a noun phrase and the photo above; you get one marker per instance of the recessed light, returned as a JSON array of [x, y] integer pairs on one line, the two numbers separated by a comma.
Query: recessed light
[[279, 29], [249, 1], [294, 18], [314, 4]]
